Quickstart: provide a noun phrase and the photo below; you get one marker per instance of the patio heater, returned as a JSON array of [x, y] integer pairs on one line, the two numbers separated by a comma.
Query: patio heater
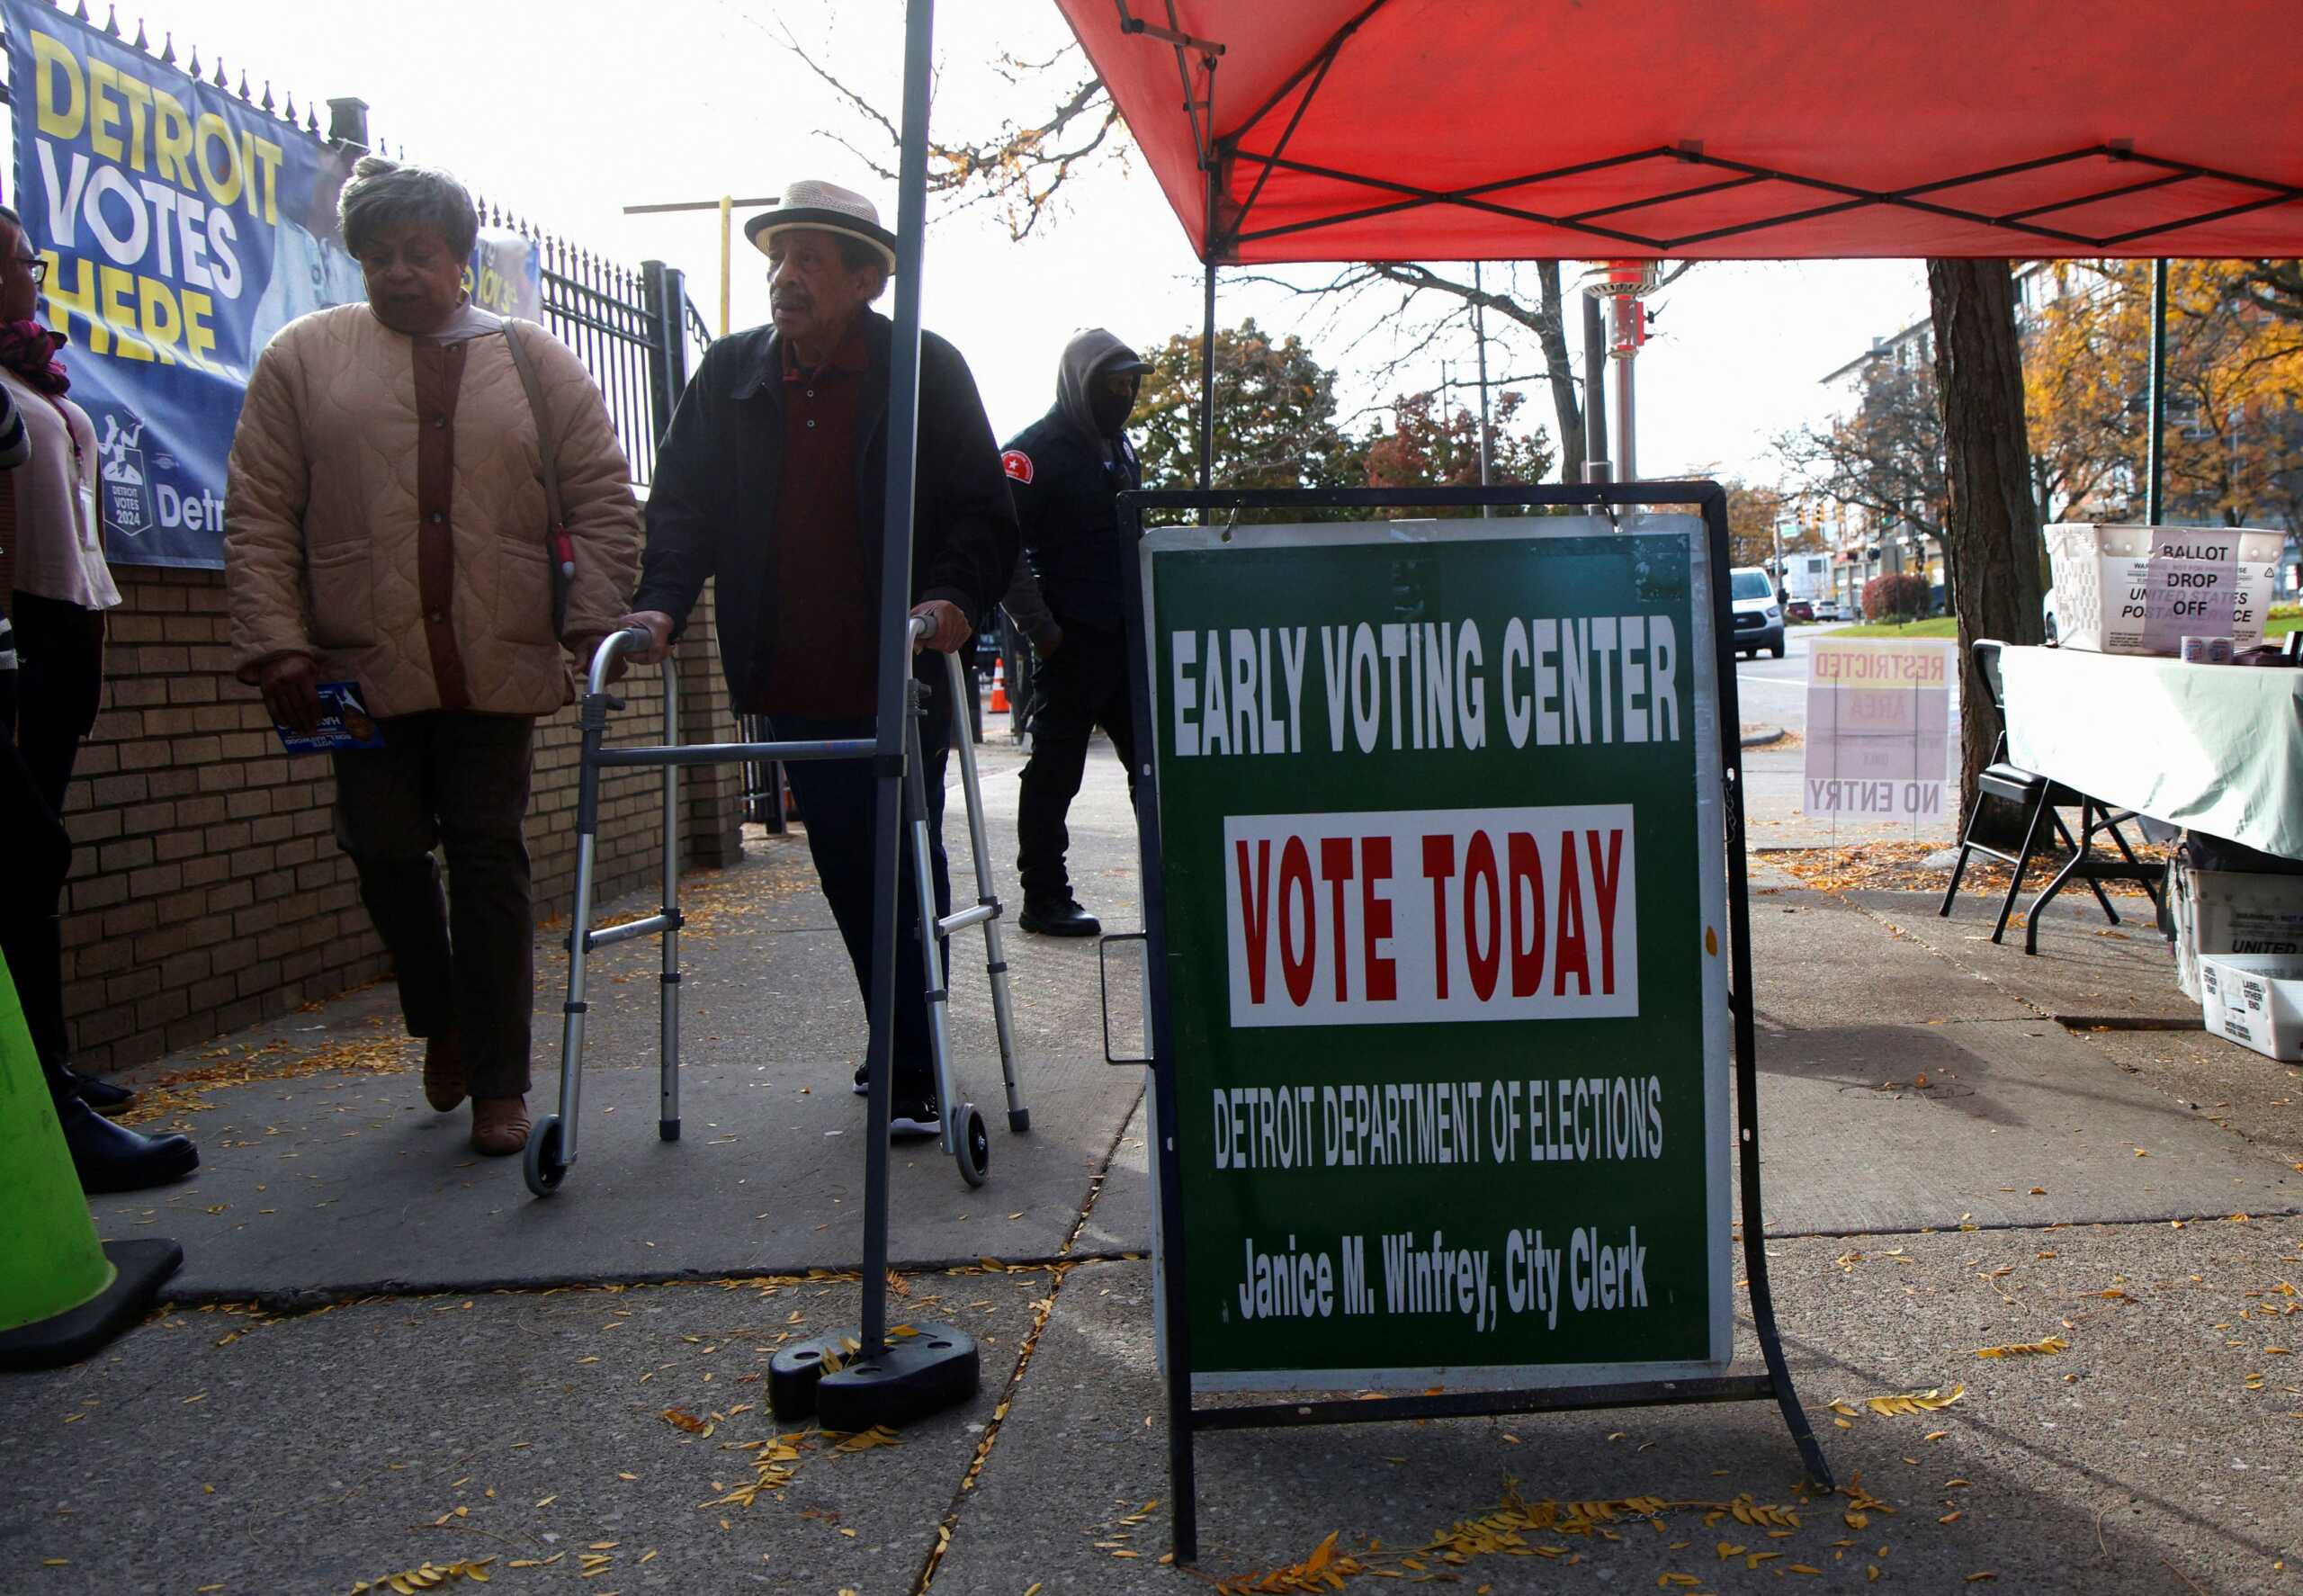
[[1622, 286]]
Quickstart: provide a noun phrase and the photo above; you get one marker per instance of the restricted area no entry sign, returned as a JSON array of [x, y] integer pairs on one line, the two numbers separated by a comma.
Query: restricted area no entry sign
[[1446, 950]]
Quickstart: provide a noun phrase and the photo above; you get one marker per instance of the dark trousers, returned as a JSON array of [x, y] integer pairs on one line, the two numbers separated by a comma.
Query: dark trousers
[[1082, 685], [62, 685], [838, 801], [59, 687], [40, 856], [465, 959]]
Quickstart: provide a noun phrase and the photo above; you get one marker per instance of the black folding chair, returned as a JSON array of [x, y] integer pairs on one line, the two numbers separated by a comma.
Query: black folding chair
[[2040, 799]]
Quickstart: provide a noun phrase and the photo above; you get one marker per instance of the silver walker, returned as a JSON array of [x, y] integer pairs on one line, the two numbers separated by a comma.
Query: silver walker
[[553, 1145]]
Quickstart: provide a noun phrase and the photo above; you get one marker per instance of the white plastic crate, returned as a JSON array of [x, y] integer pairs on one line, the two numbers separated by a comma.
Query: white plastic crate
[[2255, 999], [2143, 590]]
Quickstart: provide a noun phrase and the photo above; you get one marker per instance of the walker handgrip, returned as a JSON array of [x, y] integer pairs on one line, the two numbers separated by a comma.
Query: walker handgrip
[[628, 641]]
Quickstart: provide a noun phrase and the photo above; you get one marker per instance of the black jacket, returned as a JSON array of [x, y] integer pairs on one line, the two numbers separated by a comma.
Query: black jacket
[[1065, 492], [712, 510]]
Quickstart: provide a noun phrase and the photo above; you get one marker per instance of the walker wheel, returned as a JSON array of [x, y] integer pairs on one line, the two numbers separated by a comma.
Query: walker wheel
[[975, 1154], [544, 1167]]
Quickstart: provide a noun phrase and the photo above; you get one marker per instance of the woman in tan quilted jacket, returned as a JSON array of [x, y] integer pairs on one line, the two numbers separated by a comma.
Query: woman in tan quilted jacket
[[385, 525]]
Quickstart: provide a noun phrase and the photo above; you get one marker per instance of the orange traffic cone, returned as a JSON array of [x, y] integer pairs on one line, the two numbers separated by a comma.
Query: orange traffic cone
[[998, 706]]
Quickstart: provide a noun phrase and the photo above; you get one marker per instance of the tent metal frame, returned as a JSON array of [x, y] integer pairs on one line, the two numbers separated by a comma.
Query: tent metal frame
[[1225, 227], [1219, 153], [1185, 1420]]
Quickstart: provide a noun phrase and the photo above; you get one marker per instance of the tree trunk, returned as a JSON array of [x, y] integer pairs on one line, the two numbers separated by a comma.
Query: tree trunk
[[1559, 371], [1992, 535]]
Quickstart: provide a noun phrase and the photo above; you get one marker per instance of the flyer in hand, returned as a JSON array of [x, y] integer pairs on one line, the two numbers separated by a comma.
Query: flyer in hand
[[345, 723]]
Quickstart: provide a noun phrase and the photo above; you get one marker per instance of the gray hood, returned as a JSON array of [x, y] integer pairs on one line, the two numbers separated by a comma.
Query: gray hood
[[1088, 355]]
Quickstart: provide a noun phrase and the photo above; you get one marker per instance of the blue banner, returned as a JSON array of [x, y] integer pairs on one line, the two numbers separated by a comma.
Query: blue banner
[[182, 227]]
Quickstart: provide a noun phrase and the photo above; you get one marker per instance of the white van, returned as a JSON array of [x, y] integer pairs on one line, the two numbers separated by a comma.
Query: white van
[[1758, 619]]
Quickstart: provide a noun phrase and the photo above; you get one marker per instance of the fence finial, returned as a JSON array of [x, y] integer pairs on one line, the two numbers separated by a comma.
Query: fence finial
[[311, 120], [290, 113], [142, 43], [196, 63], [80, 12], [219, 80], [244, 82], [168, 49], [111, 21], [266, 102]]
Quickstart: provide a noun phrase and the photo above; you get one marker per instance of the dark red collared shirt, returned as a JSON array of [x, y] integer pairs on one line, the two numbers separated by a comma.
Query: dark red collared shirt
[[824, 609]]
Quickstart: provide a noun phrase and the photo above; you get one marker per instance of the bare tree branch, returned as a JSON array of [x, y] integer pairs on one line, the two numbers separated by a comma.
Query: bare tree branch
[[1019, 168]]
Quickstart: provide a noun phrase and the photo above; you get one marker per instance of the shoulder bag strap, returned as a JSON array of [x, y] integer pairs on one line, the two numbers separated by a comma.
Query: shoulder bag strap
[[558, 544]]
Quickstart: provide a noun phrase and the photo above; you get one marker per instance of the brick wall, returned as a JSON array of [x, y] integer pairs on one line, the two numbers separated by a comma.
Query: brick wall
[[207, 891]]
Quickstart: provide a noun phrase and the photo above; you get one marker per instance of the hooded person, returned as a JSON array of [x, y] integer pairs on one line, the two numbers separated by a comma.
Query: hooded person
[[1065, 471]]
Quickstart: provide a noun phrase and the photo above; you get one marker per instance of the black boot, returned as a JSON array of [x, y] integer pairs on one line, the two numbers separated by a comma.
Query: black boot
[[101, 1096], [1059, 917], [113, 1158]]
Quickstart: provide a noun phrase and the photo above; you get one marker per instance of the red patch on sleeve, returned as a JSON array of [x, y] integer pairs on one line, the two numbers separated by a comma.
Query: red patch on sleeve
[[1016, 464]]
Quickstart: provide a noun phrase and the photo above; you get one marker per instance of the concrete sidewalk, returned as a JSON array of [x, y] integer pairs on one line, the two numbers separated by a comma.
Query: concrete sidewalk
[[464, 1372]]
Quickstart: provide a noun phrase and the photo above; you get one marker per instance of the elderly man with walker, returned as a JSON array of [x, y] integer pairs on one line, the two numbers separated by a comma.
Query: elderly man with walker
[[773, 478]]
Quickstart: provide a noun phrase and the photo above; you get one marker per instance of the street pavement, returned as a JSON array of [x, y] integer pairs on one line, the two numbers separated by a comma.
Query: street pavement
[[384, 1351]]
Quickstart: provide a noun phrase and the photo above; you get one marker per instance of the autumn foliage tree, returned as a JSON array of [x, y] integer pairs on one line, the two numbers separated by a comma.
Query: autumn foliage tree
[[1426, 446], [1275, 417], [1752, 512], [2233, 447]]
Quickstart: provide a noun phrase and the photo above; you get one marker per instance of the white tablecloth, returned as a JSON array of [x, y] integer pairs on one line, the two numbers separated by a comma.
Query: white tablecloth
[[2215, 748]]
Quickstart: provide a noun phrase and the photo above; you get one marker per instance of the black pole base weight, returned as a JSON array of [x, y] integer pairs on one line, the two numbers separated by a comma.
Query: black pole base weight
[[143, 1266], [913, 1376]]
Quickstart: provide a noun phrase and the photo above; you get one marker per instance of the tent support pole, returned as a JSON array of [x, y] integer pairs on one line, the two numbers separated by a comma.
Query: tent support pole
[[2154, 493], [894, 661], [1207, 343], [873, 1382], [1623, 312], [1479, 338]]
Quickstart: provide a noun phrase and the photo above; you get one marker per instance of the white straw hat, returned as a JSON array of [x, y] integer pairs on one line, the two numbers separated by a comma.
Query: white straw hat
[[826, 207]]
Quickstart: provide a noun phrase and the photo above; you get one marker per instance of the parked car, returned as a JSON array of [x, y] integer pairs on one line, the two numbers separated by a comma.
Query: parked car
[[1827, 609], [1758, 619], [1798, 609]]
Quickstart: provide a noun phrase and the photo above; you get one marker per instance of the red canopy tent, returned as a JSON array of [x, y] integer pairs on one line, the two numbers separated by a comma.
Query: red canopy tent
[[1714, 129]]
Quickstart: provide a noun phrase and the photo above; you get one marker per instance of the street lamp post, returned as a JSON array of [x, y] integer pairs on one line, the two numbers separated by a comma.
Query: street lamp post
[[1623, 284], [726, 206]]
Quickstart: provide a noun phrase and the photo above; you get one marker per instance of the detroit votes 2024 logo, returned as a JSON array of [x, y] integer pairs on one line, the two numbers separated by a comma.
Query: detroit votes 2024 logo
[[127, 491]]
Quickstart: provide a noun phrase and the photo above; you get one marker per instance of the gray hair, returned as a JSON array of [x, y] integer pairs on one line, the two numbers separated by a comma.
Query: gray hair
[[384, 195]]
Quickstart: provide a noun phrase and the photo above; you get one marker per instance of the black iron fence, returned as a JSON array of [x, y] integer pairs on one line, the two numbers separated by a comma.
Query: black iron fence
[[636, 332]]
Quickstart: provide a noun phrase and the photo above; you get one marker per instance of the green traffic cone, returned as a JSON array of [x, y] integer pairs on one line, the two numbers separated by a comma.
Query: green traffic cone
[[62, 1292]]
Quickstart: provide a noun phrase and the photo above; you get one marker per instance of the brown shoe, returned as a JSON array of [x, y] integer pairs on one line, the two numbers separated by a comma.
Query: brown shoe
[[499, 1126], [443, 1071]]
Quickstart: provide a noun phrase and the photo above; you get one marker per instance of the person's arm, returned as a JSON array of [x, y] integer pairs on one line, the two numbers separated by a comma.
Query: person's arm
[[15, 442], [595, 494], [682, 513], [1026, 604], [1028, 610], [266, 487], [976, 557]]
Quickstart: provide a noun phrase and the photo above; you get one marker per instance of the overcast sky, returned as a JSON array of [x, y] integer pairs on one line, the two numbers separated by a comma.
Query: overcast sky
[[571, 111]]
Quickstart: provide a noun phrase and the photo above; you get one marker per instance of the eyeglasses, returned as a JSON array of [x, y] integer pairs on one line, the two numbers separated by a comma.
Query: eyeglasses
[[34, 264]]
